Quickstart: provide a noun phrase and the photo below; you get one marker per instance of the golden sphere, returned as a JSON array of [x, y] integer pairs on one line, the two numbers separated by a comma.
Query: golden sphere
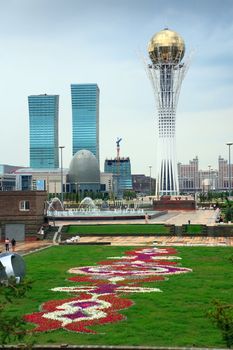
[[166, 46]]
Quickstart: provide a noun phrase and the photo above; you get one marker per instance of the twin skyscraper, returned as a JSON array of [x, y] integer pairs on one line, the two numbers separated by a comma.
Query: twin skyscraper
[[44, 125]]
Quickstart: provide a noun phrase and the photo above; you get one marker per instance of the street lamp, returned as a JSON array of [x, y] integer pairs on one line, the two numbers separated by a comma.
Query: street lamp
[[229, 166], [209, 166], [150, 166], [48, 178], [61, 148], [212, 179]]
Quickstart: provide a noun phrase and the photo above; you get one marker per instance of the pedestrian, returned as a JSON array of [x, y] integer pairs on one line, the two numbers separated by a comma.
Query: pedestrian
[[13, 244], [7, 243], [146, 218]]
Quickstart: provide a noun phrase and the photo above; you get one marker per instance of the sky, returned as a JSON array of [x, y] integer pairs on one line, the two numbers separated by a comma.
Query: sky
[[47, 45]]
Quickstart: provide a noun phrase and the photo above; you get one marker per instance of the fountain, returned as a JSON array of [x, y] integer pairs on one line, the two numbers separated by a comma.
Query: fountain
[[55, 205], [87, 210], [87, 204]]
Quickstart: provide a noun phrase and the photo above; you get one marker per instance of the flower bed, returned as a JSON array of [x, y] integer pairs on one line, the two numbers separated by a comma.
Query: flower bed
[[99, 301]]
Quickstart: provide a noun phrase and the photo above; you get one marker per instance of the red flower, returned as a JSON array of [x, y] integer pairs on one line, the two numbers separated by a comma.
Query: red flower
[[100, 304], [45, 321]]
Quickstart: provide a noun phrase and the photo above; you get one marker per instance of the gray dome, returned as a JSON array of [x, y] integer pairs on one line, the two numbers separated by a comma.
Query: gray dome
[[84, 168]]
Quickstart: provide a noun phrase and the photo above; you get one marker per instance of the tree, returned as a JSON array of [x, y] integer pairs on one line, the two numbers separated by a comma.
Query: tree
[[202, 197], [12, 328], [222, 316], [129, 194], [229, 214], [209, 196]]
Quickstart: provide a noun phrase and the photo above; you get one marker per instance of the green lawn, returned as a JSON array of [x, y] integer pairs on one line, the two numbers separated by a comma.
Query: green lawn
[[194, 229], [175, 317], [122, 229]]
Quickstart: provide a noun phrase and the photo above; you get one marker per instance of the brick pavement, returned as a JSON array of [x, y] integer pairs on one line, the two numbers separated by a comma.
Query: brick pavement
[[160, 240]]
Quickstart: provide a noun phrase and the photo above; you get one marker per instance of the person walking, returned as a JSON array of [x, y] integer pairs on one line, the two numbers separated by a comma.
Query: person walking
[[13, 244], [7, 243]]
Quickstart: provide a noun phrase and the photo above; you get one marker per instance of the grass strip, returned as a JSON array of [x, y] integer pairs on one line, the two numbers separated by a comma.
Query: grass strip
[[122, 229]]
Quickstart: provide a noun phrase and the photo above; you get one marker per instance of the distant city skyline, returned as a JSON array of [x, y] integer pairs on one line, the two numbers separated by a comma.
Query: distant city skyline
[[102, 42]]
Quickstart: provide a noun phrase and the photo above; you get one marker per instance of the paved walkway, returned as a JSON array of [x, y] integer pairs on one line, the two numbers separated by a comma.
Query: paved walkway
[[27, 247], [206, 217], [160, 241]]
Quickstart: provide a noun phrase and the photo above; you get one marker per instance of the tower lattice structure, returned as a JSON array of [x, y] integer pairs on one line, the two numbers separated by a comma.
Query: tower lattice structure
[[166, 73]]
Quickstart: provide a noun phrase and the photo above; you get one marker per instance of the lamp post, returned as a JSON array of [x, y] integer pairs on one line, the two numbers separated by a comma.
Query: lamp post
[[209, 166], [48, 178], [150, 166], [212, 179], [61, 149], [229, 166]]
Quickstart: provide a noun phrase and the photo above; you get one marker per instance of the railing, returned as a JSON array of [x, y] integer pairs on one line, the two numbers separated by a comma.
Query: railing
[[95, 212]]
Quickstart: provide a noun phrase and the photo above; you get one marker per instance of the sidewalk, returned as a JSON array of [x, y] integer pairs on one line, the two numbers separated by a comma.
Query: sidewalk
[[160, 240], [205, 217], [24, 248], [27, 247]]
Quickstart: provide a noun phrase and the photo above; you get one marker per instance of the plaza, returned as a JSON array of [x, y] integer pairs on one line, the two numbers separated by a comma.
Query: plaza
[[203, 217]]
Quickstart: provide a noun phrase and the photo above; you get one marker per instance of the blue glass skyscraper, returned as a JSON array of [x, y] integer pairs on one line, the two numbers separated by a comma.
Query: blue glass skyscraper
[[122, 168], [43, 125], [85, 118]]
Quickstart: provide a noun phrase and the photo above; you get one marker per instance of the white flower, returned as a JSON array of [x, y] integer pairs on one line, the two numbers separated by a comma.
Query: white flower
[[166, 258], [89, 313], [116, 279], [128, 289]]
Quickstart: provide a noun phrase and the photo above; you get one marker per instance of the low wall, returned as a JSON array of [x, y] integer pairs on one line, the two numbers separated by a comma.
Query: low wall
[[211, 231], [205, 231], [103, 217], [167, 204]]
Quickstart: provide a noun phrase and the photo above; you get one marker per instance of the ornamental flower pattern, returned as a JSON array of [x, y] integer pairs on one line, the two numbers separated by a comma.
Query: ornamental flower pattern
[[77, 314], [99, 301]]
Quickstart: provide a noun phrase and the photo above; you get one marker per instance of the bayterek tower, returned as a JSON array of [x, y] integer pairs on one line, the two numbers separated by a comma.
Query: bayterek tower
[[166, 72]]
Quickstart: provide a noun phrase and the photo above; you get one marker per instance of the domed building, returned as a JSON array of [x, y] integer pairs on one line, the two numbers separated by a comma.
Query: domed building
[[84, 173]]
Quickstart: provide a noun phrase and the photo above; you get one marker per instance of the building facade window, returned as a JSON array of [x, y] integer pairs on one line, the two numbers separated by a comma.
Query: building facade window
[[24, 205]]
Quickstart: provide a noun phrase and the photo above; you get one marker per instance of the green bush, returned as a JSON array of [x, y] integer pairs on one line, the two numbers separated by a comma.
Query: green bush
[[222, 316]]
